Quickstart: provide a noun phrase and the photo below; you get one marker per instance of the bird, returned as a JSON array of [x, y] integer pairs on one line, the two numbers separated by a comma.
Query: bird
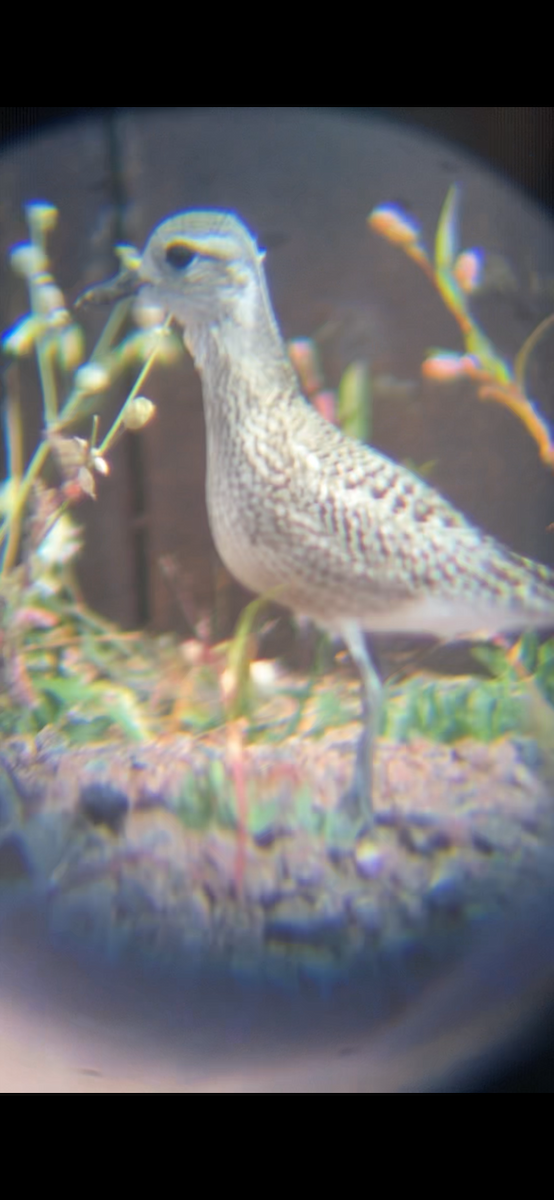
[[335, 530]]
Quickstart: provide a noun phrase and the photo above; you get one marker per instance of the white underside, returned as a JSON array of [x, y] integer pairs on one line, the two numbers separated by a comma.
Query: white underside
[[446, 620]]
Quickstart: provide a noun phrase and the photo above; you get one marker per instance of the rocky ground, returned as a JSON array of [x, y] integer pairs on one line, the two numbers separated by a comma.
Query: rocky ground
[[135, 854]]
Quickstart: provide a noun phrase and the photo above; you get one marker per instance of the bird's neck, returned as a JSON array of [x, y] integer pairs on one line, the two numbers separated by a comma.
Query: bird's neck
[[242, 360]]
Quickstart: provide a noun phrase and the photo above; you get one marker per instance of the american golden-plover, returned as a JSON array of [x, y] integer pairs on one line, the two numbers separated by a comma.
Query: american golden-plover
[[337, 531]]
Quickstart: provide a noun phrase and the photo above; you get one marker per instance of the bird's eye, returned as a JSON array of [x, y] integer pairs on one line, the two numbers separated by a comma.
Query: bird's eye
[[179, 256]]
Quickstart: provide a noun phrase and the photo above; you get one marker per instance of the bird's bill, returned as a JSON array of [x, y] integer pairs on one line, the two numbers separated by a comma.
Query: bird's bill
[[124, 285]]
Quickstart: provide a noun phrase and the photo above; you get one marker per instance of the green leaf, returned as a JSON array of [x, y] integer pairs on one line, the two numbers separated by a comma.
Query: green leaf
[[426, 710], [453, 297], [98, 700], [522, 360], [240, 656], [537, 716], [68, 692], [478, 345], [495, 661], [82, 733], [207, 799], [122, 706], [447, 246], [263, 817], [355, 402], [482, 703], [195, 804], [546, 657], [330, 712], [201, 720], [529, 652]]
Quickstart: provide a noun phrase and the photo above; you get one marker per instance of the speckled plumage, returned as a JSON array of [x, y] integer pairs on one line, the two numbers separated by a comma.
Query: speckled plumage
[[340, 532]]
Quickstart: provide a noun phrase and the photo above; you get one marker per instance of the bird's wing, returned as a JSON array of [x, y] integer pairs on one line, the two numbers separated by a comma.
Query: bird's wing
[[379, 517]]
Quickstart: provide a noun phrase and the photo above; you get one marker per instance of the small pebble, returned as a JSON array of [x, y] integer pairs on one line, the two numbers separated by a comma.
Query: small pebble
[[426, 840], [297, 922], [370, 860], [103, 804], [447, 893]]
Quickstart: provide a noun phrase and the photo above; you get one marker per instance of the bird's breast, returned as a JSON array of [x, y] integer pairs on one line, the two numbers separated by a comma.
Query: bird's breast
[[247, 492]]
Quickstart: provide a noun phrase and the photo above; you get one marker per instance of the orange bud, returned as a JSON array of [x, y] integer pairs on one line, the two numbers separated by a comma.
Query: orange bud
[[442, 368], [389, 221], [326, 405], [305, 360], [468, 271]]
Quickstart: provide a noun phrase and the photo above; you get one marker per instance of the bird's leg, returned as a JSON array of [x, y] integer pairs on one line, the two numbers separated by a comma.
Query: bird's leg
[[372, 693]]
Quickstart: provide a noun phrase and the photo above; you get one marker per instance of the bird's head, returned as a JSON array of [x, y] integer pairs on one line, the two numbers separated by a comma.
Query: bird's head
[[201, 264], [200, 267]]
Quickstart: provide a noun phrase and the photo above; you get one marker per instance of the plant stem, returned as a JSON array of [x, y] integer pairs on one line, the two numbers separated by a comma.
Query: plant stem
[[527, 349], [120, 420], [11, 526], [14, 446], [10, 529], [70, 411], [48, 382]]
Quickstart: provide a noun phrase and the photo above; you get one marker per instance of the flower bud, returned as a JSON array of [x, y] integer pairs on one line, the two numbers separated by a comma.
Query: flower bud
[[21, 340], [391, 222], [138, 413], [42, 218], [228, 684], [148, 316], [443, 368], [86, 482], [100, 465], [265, 677], [28, 260], [92, 378], [193, 653], [71, 348], [50, 299], [326, 405], [468, 271], [304, 356]]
